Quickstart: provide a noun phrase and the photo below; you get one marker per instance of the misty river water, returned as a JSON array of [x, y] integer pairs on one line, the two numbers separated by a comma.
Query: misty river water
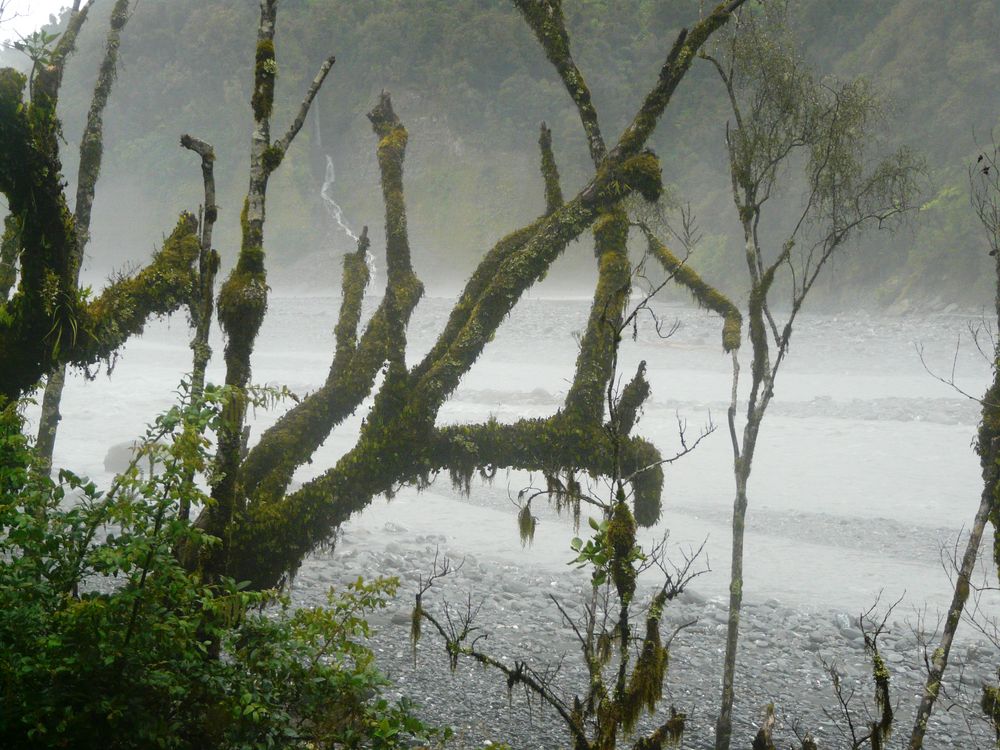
[[864, 473]]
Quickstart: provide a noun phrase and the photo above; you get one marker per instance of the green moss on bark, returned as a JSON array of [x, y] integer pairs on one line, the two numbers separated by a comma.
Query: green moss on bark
[[265, 72], [705, 295]]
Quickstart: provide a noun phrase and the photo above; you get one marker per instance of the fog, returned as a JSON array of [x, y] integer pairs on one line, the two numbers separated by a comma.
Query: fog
[[865, 479], [864, 476]]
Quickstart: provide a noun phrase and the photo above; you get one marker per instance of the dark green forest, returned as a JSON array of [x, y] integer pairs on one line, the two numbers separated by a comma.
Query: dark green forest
[[473, 86]]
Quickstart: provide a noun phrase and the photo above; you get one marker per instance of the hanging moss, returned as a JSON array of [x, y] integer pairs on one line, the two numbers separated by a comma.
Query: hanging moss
[[645, 686], [621, 540], [881, 727], [526, 525], [415, 624]]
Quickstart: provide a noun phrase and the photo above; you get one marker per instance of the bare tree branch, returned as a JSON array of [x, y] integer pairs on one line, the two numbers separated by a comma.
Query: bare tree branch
[[285, 141]]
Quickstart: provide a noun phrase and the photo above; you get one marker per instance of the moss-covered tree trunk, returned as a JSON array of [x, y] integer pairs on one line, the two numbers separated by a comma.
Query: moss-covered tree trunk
[[91, 152], [399, 442], [47, 322], [243, 298], [985, 197]]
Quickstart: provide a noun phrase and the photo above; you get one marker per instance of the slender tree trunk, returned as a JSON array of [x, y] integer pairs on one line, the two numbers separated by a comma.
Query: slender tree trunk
[[8, 258], [939, 659], [760, 392], [48, 421], [985, 194], [91, 151], [208, 265]]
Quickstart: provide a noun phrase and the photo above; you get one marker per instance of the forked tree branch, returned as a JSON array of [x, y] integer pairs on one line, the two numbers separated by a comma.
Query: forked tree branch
[[285, 141], [393, 444]]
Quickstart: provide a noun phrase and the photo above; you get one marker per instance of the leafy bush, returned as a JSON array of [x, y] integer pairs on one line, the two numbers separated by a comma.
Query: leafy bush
[[108, 641]]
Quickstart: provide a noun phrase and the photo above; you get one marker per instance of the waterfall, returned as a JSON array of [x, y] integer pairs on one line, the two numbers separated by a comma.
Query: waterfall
[[337, 214]]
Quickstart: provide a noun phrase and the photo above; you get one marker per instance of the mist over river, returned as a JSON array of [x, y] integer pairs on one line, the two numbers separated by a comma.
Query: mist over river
[[864, 471]]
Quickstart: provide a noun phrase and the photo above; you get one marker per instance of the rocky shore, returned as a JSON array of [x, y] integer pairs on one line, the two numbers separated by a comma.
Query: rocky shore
[[785, 651]]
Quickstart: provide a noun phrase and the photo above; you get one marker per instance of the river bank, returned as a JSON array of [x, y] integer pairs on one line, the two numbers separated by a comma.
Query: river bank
[[786, 650]]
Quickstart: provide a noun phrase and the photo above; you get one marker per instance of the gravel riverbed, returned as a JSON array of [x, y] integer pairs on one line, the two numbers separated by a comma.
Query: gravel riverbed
[[784, 651]]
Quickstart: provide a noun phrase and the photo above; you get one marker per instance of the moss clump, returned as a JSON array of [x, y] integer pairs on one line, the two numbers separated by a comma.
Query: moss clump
[[271, 158], [644, 175], [621, 540], [166, 284], [415, 617], [265, 71], [645, 686], [242, 306], [990, 704], [526, 525], [641, 173]]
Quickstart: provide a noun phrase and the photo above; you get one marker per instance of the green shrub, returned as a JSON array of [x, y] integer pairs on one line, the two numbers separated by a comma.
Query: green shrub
[[107, 641]]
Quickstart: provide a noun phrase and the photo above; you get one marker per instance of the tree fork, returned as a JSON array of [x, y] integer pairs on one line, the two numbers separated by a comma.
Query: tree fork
[[272, 537], [292, 441], [243, 297]]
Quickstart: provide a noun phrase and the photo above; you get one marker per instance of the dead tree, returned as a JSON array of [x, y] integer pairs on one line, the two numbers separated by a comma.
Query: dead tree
[[266, 530], [48, 322], [625, 647]]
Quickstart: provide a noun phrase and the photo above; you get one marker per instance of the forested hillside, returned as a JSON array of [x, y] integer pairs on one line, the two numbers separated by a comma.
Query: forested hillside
[[472, 85]]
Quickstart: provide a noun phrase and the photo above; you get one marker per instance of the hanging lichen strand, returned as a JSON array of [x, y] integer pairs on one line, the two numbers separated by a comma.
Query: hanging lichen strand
[[399, 442]]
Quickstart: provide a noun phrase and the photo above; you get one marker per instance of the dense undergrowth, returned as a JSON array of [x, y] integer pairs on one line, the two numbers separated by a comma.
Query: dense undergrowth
[[109, 642]]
